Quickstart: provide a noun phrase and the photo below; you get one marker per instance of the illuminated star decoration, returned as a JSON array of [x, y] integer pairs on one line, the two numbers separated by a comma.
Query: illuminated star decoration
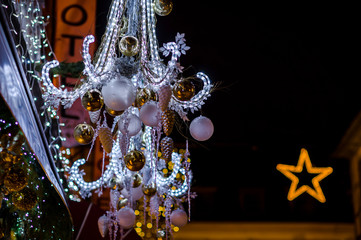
[[316, 191]]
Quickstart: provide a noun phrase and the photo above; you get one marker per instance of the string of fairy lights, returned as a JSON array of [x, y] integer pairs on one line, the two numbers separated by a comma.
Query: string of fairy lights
[[34, 48]]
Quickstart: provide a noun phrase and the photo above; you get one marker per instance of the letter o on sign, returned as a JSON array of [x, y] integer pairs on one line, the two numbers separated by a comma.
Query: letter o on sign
[[82, 20]]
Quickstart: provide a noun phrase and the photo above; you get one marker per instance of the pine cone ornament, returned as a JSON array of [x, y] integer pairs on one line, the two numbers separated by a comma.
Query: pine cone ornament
[[166, 147], [168, 119], [164, 95], [106, 138], [94, 116]]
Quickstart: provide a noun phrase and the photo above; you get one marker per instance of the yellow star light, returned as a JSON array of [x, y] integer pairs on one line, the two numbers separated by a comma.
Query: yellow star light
[[316, 191]]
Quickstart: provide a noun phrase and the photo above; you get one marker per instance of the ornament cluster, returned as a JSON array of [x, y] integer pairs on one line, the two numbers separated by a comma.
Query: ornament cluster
[[134, 101]]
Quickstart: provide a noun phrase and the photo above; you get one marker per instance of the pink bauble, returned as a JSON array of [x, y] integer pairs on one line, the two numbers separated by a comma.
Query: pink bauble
[[119, 93], [137, 193], [179, 218], [201, 128], [150, 114], [126, 217], [134, 124]]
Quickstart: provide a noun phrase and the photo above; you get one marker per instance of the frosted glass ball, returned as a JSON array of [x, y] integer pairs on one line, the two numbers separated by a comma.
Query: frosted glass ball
[[179, 218], [137, 193], [126, 217], [150, 114], [134, 124], [119, 93], [201, 128]]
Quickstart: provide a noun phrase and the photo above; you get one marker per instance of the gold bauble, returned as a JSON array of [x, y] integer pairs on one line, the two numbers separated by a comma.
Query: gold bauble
[[168, 120], [163, 7], [16, 179], [122, 202], [92, 100], [144, 95], [137, 180], [150, 189], [113, 112], [83, 133], [129, 46], [134, 160], [24, 200], [184, 90]]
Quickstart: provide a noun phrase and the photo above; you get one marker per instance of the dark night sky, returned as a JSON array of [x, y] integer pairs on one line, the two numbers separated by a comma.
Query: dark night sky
[[285, 74]]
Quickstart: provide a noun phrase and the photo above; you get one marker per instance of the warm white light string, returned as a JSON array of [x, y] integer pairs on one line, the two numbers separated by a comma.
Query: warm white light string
[[54, 95], [106, 56]]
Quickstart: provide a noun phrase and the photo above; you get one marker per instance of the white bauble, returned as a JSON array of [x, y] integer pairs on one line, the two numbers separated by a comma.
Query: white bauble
[[119, 93], [126, 217], [150, 114], [137, 193], [201, 128], [179, 218], [103, 225], [134, 124]]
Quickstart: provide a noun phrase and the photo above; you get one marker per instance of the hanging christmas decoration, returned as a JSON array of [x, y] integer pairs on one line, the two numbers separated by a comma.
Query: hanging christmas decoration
[[184, 90], [137, 180], [119, 93], [166, 147], [103, 225], [201, 128], [134, 160], [112, 112], [126, 217], [106, 138], [129, 124], [163, 7], [141, 93], [165, 94], [122, 202], [83, 133], [168, 120], [150, 114], [150, 189], [129, 46], [179, 218], [92, 100], [144, 95]]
